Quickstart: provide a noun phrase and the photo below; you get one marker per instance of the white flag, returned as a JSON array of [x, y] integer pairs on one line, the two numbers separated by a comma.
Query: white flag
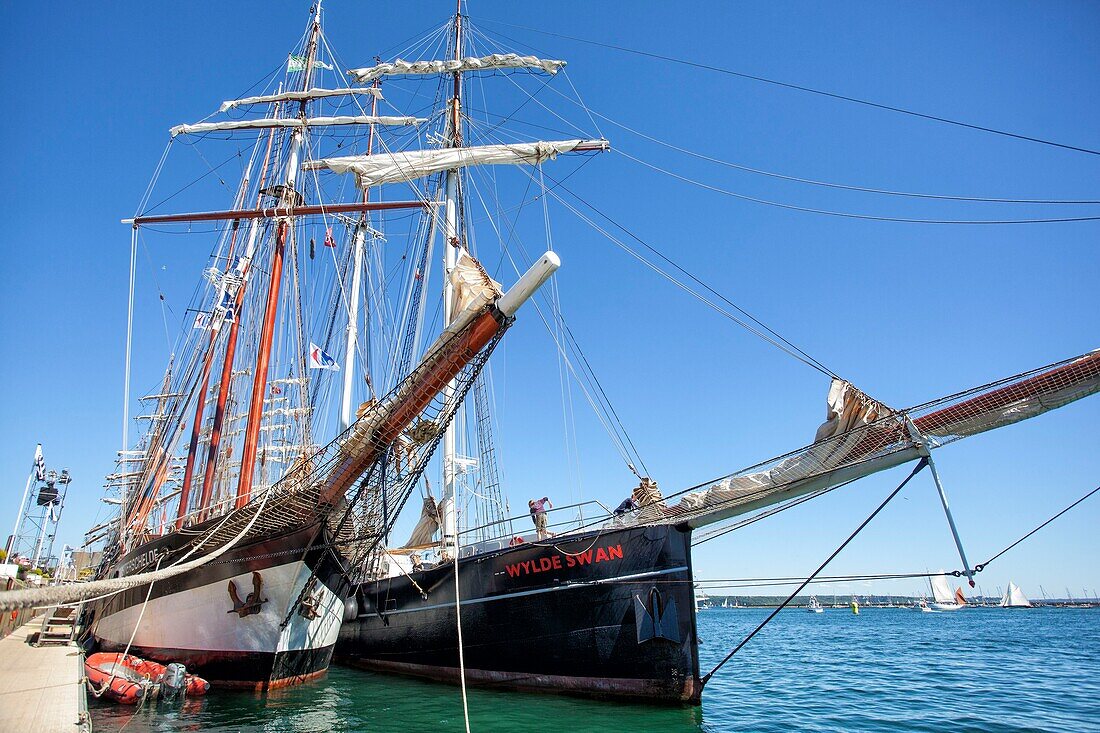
[[298, 63], [39, 464], [318, 359]]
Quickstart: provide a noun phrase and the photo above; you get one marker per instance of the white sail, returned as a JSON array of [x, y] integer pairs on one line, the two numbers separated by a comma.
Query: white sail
[[484, 63], [291, 122], [1015, 598], [941, 591], [373, 170], [298, 96]]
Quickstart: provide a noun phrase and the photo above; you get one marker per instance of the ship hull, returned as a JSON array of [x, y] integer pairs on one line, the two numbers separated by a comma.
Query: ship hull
[[606, 614], [194, 618]]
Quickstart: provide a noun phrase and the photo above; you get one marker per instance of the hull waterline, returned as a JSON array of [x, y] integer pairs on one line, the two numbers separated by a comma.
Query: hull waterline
[[256, 635], [605, 614]]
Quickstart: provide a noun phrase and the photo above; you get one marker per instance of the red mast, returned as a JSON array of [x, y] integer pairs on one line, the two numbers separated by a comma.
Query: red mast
[[200, 409], [267, 334]]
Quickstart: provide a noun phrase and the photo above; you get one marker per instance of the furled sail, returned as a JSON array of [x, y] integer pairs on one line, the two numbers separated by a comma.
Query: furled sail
[[426, 526], [299, 96], [862, 436], [373, 170], [291, 122], [484, 63]]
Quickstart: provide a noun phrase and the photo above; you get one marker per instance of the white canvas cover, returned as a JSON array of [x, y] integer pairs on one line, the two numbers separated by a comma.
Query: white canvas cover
[[373, 170], [291, 122], [849, 410], [299, 96], [471, 63]]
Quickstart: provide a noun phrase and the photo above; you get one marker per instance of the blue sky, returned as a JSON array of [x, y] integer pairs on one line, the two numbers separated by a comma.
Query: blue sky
[[907, 312]]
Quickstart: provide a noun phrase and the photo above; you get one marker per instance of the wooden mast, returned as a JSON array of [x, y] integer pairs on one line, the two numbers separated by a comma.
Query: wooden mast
[[267, 334], [200, 408]]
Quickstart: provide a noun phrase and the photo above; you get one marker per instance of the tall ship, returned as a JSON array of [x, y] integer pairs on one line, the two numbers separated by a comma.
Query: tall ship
[[330, 394]]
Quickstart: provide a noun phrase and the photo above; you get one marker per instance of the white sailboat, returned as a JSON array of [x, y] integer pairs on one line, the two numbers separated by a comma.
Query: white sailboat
[[942, 597], [1015, 597], [815, 605]]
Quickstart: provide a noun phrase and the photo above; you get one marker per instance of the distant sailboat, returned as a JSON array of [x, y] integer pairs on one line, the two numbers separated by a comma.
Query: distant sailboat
[[942, 597], [815, 605], [854, 606], [1015, 597]]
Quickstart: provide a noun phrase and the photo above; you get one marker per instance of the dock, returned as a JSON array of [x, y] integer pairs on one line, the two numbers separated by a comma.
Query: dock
[[41, 688]]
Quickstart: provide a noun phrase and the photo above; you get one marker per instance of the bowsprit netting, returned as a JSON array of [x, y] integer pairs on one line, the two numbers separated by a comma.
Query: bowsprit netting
[[380, 457], [863, 436]]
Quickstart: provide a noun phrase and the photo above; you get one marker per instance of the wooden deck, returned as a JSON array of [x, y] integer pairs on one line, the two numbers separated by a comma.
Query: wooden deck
[[41, 688]]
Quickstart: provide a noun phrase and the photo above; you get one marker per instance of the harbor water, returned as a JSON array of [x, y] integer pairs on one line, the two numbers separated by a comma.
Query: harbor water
[[979, 669]]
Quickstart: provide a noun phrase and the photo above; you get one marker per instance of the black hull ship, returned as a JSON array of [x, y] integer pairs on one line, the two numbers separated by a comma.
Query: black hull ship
[[606, 613]]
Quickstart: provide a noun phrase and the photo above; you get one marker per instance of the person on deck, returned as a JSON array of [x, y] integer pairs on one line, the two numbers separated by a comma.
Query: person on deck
[[538, 515], [628, 505]]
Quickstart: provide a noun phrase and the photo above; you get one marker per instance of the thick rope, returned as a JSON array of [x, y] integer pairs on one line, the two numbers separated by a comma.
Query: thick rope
[[63, 594], [852, 536]]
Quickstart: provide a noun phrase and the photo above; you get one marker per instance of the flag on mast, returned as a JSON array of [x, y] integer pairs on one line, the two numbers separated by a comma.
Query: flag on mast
[[318, 359], [298, 63], [39, 464]]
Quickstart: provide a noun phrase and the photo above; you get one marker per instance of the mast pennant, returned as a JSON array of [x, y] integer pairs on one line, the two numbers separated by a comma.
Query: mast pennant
[[485, 63], [292, 122], [374, 170]]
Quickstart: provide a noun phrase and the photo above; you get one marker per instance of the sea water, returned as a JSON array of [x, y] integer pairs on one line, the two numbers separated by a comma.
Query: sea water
[[898, 669]]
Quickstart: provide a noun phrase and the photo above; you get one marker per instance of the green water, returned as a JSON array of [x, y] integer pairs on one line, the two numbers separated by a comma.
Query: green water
[[884, 670]]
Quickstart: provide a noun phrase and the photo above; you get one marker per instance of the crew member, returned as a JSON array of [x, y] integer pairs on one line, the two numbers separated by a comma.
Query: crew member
[[538, 515], [628, 505]]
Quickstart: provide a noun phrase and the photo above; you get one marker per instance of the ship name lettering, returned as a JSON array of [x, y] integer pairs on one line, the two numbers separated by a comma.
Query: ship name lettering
[[554, 562]]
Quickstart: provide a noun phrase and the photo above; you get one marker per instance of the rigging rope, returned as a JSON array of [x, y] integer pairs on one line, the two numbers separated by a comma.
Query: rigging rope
[[916, 469], [776, 340], [849, 214], [801, 88], [981, 567], [815, 182], [765, 582]]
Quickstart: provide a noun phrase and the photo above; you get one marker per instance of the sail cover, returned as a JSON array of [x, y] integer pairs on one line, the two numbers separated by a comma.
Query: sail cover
[[299, 96], [862, 436], [291, 122], [373, 170], [484, 63]]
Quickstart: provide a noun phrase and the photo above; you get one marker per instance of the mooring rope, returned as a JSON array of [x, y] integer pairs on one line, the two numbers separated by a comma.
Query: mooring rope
[[64, 594], [917, 469]]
